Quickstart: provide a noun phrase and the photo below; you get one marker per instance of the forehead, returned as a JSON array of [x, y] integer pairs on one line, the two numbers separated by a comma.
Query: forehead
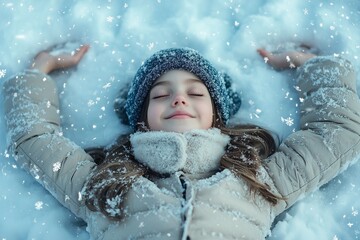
[[177, 76]]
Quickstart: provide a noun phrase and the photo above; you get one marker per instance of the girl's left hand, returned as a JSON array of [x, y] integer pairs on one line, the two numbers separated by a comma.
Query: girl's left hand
[[285, 60], [46, 63]]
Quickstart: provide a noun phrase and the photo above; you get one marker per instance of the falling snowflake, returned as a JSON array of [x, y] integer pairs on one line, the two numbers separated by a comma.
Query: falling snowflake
[[2, 73], [107, 85], [39, 205], [297, 88], [354, 212], [79, 196], [288, 121], [151, 45], [56, 166], [35, 172], [7, 155], [110, 18], [350, 224], [90, 102], [306, 11]]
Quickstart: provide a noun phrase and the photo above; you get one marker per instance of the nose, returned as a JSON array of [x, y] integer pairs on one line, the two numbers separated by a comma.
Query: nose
[[179, 100]]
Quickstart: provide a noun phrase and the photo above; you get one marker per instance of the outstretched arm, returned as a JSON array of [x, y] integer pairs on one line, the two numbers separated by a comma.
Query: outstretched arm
[[329, 138], [45, 62], [285, 60], [34, 134]]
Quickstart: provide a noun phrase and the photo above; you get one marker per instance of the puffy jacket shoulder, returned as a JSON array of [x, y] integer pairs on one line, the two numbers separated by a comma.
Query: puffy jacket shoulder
[[329, 138], [35, 138]]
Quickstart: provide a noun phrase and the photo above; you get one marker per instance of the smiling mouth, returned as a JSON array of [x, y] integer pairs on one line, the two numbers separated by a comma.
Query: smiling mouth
[[179, 115]]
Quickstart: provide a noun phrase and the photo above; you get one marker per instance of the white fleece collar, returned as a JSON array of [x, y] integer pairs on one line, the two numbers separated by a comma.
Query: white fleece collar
[[196, 151]]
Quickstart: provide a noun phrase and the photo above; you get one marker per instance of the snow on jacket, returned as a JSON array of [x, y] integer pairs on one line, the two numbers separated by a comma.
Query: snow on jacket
[[194, 201]]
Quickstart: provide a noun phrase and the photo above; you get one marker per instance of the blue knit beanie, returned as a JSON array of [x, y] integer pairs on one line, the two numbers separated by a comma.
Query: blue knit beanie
[[218, 84]]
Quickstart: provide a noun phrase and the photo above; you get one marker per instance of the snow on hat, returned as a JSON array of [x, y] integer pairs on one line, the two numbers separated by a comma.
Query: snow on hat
[[218, 84]]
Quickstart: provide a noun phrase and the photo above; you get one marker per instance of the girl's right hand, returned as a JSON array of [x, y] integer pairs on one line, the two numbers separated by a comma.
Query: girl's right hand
[[285, 60], [46, 63]]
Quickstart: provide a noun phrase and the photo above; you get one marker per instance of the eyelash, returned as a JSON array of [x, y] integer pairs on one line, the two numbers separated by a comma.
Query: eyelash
[[160, 96], [191, 94], [196, 94]]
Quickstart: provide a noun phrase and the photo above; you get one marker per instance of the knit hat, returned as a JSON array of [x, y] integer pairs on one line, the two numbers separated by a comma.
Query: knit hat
[[226, 100]]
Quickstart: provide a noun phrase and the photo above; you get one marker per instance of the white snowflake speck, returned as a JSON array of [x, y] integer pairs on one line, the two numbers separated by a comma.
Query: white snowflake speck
[[106, 86], [288, 121], [110, 18], [90, 103], [2, 73], [151, 45], [79, 196], [297, 88], [354, 212], [56, 166], [39, 205]]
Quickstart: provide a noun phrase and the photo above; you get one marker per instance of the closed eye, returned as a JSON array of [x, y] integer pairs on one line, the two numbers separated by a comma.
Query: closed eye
[[196, 94], [160, 96]]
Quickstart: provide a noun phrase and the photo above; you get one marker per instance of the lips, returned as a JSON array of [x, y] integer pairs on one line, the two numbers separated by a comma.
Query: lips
[[179, 115]]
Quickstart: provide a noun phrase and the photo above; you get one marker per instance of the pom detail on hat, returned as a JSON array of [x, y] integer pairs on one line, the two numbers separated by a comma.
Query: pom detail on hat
[[218, 84]]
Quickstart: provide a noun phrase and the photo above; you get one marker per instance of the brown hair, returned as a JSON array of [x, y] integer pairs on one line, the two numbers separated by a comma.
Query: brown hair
[[249, 145]]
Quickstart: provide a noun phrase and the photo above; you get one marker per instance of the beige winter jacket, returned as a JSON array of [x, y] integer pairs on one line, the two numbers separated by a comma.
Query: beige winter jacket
[[202, 204]]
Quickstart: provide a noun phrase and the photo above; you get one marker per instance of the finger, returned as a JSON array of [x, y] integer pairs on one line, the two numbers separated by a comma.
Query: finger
[[263, 52], [80, 53], [67, 60]]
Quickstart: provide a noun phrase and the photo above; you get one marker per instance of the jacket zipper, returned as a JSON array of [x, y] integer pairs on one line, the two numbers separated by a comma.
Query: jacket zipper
[[183, 184]]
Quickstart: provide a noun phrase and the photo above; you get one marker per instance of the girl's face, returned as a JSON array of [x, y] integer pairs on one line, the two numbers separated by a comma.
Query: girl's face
[[179, 102]]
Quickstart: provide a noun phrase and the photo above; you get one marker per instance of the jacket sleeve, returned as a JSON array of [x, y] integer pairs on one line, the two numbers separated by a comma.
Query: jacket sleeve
[[328, 140], [35, 138]]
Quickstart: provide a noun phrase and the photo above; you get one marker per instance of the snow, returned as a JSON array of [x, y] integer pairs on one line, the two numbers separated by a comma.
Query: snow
[[122, 34]]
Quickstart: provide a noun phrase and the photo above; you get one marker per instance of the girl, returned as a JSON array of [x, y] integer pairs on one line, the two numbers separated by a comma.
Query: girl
[[183, 173]]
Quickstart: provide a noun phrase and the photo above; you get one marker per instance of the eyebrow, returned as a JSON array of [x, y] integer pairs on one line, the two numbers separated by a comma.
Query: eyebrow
[[165, 82]]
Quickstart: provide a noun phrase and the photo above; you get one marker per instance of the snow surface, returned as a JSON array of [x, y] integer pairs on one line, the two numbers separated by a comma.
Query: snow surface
[[122, 34]]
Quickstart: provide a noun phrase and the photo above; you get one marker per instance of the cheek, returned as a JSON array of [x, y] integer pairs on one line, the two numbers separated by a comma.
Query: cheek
[[207, 114], [153, 115]]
